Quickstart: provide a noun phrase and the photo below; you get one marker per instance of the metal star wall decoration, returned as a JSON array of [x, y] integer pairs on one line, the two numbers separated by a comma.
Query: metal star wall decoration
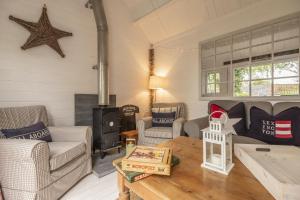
[[42, 33]]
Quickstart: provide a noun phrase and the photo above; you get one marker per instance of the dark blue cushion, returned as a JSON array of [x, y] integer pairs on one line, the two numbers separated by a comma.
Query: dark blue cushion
[[161, 119], [36, 131], [283, 128]]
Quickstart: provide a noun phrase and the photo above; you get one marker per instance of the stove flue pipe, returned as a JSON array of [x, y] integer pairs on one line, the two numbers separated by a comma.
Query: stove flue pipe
[[102, 64]]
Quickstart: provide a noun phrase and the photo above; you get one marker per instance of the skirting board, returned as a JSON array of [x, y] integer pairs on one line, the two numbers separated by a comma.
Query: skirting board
[[278, 170]]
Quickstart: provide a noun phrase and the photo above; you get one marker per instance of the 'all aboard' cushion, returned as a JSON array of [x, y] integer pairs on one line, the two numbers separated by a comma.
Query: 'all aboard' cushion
[[161, 119], [282, 129], [36, 131]]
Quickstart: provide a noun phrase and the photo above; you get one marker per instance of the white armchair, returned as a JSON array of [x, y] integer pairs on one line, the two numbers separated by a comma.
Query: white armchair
[[37, 170], [151, 136]]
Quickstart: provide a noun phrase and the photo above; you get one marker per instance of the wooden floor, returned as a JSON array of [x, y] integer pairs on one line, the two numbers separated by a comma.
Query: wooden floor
[[94, 188]]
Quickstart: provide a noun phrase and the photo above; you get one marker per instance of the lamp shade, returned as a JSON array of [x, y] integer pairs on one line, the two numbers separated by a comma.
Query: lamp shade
[[155, 82]]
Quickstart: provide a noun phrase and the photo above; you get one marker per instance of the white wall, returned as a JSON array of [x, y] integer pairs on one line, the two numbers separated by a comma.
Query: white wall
[[41, 76], [128, 57], [177, 58]]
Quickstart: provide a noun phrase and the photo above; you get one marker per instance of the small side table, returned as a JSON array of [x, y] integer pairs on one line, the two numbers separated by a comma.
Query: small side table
[[129, 134]]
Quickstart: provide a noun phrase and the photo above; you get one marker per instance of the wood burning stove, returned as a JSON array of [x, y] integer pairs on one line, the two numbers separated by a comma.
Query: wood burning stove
[[106, 119], [106, 129]]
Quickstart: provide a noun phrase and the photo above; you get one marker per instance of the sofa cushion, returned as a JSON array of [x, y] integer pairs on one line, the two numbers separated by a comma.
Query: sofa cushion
[[281, 106], [236, 115], [36, 131], [282, 128], [63, 152], [159, 132], [225, 104], [266, 106]]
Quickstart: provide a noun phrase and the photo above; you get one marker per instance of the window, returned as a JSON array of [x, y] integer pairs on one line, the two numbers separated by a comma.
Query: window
[[213, 83], [258, 62]]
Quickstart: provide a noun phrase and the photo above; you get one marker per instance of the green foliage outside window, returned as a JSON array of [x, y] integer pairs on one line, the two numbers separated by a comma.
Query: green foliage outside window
[[285, 75]]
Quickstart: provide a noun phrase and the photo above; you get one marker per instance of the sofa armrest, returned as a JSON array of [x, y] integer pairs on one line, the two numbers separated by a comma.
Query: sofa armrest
[[72, 134], [24, 164], [178, 127], [193, 127]]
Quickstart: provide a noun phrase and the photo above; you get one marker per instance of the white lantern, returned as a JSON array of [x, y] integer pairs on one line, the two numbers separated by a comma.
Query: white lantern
[[217, 146]]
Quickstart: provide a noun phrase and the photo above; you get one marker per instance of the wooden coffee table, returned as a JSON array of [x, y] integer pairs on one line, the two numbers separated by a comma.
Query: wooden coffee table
[[190, 181]]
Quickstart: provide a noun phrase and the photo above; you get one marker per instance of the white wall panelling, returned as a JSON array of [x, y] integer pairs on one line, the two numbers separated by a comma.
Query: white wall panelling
[[40, 76]]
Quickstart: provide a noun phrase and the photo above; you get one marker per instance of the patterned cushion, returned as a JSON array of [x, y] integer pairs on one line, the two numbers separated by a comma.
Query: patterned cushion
[[159, 132], [62, 153], [36, 131], [167, 110], [236, 115]]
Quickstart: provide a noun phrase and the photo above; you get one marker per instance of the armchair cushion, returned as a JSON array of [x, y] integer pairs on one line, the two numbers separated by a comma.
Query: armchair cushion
[[160, 119], [170, 107], [159, 132], [62, 153], [36, 131]]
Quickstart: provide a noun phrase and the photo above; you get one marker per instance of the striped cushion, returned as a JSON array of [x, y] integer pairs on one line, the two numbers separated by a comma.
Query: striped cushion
[[175, 109]]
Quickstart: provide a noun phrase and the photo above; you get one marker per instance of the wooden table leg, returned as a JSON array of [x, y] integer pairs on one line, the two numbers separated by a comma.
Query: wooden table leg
[[123, 190]]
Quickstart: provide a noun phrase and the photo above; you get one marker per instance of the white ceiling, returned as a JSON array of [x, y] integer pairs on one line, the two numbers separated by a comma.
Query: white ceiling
[[162, 19], [140, 8]]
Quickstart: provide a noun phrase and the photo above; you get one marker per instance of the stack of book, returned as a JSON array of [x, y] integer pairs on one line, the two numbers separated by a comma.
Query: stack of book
[[145, 161]]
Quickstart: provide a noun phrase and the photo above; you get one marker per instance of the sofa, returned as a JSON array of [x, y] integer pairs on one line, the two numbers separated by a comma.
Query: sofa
[[193, 127], [37, 170], [150, 136]]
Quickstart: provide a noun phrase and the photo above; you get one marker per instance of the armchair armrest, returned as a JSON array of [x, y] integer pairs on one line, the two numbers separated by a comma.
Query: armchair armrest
[[24, 164], [178, 127], [193, 127], [144, 124], [72, 134]]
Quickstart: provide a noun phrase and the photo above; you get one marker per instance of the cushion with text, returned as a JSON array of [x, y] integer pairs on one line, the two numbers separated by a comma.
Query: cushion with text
[[283, 128], [163, 119], [36, 131]]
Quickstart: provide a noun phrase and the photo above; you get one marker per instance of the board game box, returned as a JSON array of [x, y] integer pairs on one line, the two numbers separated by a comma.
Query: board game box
[[135, 176], [150, 160]]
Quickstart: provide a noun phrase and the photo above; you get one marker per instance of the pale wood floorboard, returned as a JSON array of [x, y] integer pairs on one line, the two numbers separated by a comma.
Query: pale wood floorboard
[[94, 188]]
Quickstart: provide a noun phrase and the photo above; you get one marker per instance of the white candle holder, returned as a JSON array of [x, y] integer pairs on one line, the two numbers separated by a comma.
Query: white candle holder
[[217, 146]]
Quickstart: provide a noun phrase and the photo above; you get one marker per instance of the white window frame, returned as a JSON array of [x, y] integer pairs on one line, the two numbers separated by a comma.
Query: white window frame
[[230, 69]]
